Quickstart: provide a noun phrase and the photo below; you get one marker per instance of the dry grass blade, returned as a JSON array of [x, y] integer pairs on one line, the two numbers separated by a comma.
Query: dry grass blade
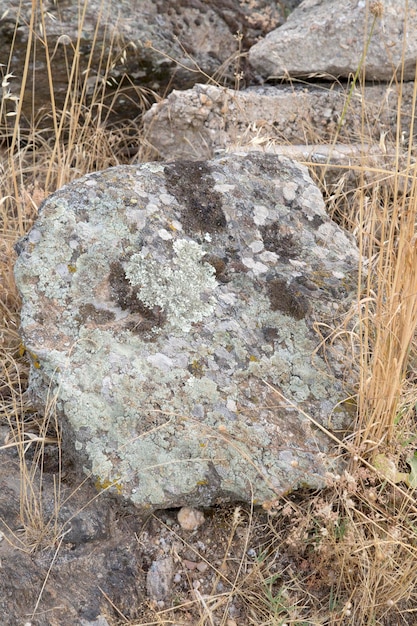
[[389, 309]]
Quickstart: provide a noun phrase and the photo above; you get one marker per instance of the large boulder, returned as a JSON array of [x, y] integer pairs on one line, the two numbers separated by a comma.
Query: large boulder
[[168, 310], [328, 38]]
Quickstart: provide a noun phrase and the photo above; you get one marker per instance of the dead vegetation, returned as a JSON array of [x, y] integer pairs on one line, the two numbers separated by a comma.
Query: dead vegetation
[[346, 555]]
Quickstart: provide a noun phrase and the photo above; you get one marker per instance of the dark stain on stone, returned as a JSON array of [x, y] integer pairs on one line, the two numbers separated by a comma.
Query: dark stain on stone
[[287, 298], [270, 334], [89, 313], [305, 284], [155, 314], [192, 184], [317, 221], [220, 267], [280, 240], [263, 164], [145, 327], [121, 290]]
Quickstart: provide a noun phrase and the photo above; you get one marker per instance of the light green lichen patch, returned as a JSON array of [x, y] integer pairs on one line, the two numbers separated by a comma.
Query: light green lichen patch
[[182, 291]]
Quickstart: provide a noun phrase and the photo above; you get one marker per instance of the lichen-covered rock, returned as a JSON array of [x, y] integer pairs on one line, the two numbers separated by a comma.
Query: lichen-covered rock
[[163, 303]]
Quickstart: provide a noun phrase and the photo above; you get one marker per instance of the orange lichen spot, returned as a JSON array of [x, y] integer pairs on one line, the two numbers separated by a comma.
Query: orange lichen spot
[[33, 357], [105, 484], [196, 368]]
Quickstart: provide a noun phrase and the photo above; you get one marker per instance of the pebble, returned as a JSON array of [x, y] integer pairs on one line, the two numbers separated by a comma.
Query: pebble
[[190, 519], [201, 566]]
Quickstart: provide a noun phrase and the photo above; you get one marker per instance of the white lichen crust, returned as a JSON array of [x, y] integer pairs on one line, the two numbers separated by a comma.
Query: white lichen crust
[[178, 290]]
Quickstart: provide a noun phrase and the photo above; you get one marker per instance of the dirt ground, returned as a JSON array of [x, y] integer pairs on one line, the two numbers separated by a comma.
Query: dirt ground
[[81, 555]]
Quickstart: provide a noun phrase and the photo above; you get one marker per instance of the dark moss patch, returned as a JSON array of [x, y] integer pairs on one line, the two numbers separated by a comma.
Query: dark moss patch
[[220, 266], [280, 239], [270, 334], [121, 290], [287, 298], [317, 221], [146, 326], [191, 183]]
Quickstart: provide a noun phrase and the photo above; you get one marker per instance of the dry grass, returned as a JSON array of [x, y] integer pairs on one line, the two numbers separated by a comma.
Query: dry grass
[[344, 556]]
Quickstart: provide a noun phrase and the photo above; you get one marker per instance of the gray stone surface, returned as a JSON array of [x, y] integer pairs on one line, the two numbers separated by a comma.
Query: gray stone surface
[[328, 37], [194, 123], [91, 549], [159, 579], [161, 300]]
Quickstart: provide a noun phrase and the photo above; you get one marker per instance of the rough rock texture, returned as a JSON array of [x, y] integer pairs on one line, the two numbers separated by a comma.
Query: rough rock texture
[[327, 37], [161, 301], [194, 123], [191, 39], [159, 579], [92, 552]]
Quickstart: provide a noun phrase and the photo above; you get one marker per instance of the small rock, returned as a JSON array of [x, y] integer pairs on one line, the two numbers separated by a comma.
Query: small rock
[[189, 518], [159, 579], [202, 566]]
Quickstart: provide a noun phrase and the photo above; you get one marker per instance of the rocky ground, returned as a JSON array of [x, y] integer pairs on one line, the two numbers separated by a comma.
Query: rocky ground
[[82, 559]]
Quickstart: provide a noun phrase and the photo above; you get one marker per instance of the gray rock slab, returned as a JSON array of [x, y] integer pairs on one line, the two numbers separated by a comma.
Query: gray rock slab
[[195, 123], [328, 37], [162, 304]]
